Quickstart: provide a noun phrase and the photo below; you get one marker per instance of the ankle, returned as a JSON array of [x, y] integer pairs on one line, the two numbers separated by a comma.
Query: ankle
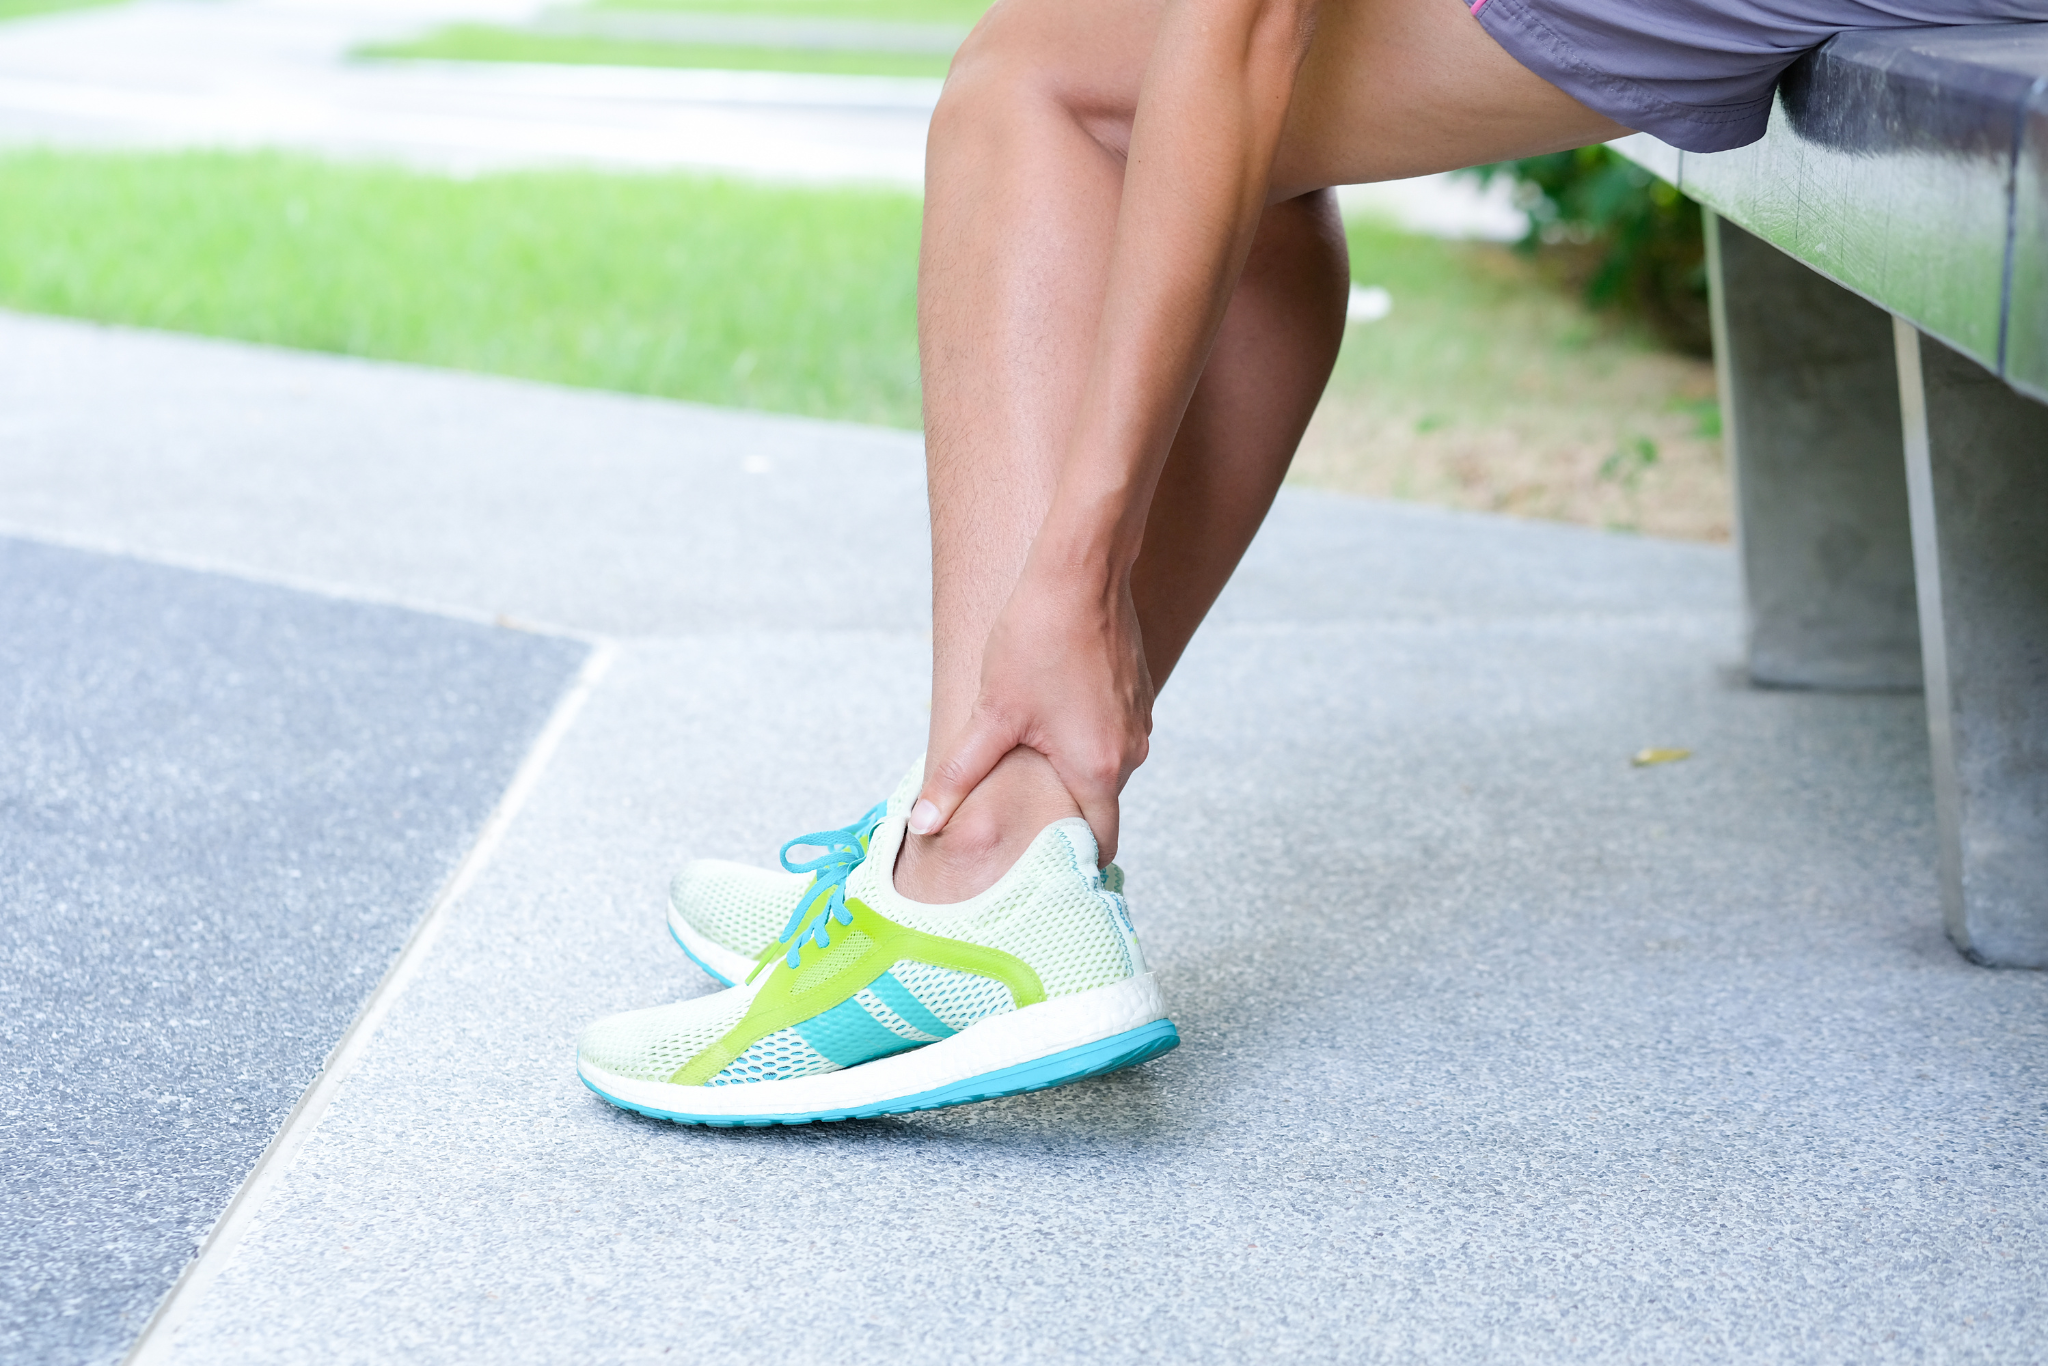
[[987, 834], [961, 861]]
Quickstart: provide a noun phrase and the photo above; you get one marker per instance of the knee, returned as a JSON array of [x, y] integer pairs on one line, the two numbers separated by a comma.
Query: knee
[[993, 77], [1025, 61]]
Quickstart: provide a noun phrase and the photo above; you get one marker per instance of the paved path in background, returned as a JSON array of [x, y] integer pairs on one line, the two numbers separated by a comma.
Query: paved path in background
[[273, 73], [1496, 1048]]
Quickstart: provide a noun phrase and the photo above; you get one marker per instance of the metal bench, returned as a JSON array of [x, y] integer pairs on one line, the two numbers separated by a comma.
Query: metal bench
[[1879, 274]]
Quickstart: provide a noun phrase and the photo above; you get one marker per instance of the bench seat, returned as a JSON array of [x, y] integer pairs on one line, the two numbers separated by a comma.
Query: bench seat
[[1878, 264]]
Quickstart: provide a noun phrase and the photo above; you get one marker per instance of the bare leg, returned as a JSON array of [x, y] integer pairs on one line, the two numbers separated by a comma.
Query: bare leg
[[1265, 375], [995, 430], [1024, 178]]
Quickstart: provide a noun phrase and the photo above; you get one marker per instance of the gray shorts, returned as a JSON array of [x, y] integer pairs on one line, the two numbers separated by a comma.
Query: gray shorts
[[1699, 73]]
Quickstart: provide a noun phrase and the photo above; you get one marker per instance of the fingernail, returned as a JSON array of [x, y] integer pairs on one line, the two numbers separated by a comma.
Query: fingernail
[[924, 818]]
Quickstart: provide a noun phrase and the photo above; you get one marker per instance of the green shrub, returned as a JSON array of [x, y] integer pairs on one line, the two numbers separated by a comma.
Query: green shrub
[[1630, 240]]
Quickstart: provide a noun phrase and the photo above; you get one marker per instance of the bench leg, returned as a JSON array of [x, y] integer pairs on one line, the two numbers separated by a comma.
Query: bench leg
[[1809, 390], [1977, 474]]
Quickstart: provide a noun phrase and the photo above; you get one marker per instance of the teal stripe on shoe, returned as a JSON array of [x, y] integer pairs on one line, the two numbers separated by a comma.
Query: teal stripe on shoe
[[849, 1036], [897, 997]]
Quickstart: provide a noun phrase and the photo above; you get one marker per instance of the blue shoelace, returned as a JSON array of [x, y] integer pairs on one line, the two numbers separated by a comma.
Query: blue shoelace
[[845, 849]]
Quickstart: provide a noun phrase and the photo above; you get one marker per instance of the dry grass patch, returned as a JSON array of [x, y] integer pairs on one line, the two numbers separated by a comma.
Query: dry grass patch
[[1490, 388]]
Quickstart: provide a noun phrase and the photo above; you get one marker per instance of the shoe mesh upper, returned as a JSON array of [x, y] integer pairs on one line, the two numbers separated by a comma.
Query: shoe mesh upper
[[744, 908], [736, 907], [1052, 913], [650, 1045], [782, 1056], [957, 998], [847, 945]]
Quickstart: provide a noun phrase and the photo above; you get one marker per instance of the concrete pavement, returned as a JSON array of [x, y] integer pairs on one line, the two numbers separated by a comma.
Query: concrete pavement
[[222, 808], [1496, 1047]]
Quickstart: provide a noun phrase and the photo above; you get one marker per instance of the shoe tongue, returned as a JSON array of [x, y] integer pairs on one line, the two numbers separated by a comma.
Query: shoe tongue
[[870, 880]]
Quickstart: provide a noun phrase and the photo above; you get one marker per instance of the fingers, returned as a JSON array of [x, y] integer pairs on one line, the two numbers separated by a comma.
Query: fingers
[[947, 784], [1097, 787], [1101, 815]]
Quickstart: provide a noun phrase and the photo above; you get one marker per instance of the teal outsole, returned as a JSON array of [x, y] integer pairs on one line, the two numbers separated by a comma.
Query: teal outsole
[[1119, 1051]]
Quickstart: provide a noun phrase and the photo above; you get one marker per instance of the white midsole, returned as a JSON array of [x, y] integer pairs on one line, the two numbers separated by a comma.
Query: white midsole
[[710, 953], [1017, 1036]]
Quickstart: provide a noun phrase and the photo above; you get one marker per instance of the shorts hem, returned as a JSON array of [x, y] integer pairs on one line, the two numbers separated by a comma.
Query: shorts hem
[[1516, 26]]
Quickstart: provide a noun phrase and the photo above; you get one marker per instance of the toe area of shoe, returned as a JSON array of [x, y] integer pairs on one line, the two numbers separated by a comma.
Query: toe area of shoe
[[655, 1043]]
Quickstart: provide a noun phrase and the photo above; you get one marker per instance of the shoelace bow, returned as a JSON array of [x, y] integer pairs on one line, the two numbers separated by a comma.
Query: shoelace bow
[[824, 900]]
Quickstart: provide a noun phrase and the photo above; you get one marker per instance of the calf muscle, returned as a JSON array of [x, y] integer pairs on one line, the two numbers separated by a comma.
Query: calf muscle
[[1131, 295]]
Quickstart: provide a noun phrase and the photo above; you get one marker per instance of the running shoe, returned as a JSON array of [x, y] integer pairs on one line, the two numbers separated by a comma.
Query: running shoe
[[725, 915], [870, 1003]]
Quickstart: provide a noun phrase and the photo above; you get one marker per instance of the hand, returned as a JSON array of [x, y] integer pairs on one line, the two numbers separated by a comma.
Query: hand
[[1063, 673]]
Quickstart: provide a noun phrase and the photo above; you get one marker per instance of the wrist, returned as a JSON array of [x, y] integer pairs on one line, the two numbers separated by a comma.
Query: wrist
[[1085, 561], [1089, 539]]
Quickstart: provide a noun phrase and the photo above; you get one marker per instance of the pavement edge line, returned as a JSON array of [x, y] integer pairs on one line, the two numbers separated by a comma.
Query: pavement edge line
[[297, 583], [216, 1251]]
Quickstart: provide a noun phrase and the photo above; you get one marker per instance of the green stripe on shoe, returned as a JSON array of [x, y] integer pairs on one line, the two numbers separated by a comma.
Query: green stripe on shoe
[[781, 1005]]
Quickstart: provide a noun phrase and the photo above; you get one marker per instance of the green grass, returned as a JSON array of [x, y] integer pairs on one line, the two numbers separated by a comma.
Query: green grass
[[1472, 328], [22, 9], [797, 301], [486, 43], [1492, 386], [1488, 386]]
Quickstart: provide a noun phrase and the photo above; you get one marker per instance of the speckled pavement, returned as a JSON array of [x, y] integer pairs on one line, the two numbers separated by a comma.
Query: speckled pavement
[[223, 805], [1496, 1048]]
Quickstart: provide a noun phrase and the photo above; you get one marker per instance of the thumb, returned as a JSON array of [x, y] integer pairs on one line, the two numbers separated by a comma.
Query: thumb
[[1097, 791], [1102, 812], [947, 784]]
